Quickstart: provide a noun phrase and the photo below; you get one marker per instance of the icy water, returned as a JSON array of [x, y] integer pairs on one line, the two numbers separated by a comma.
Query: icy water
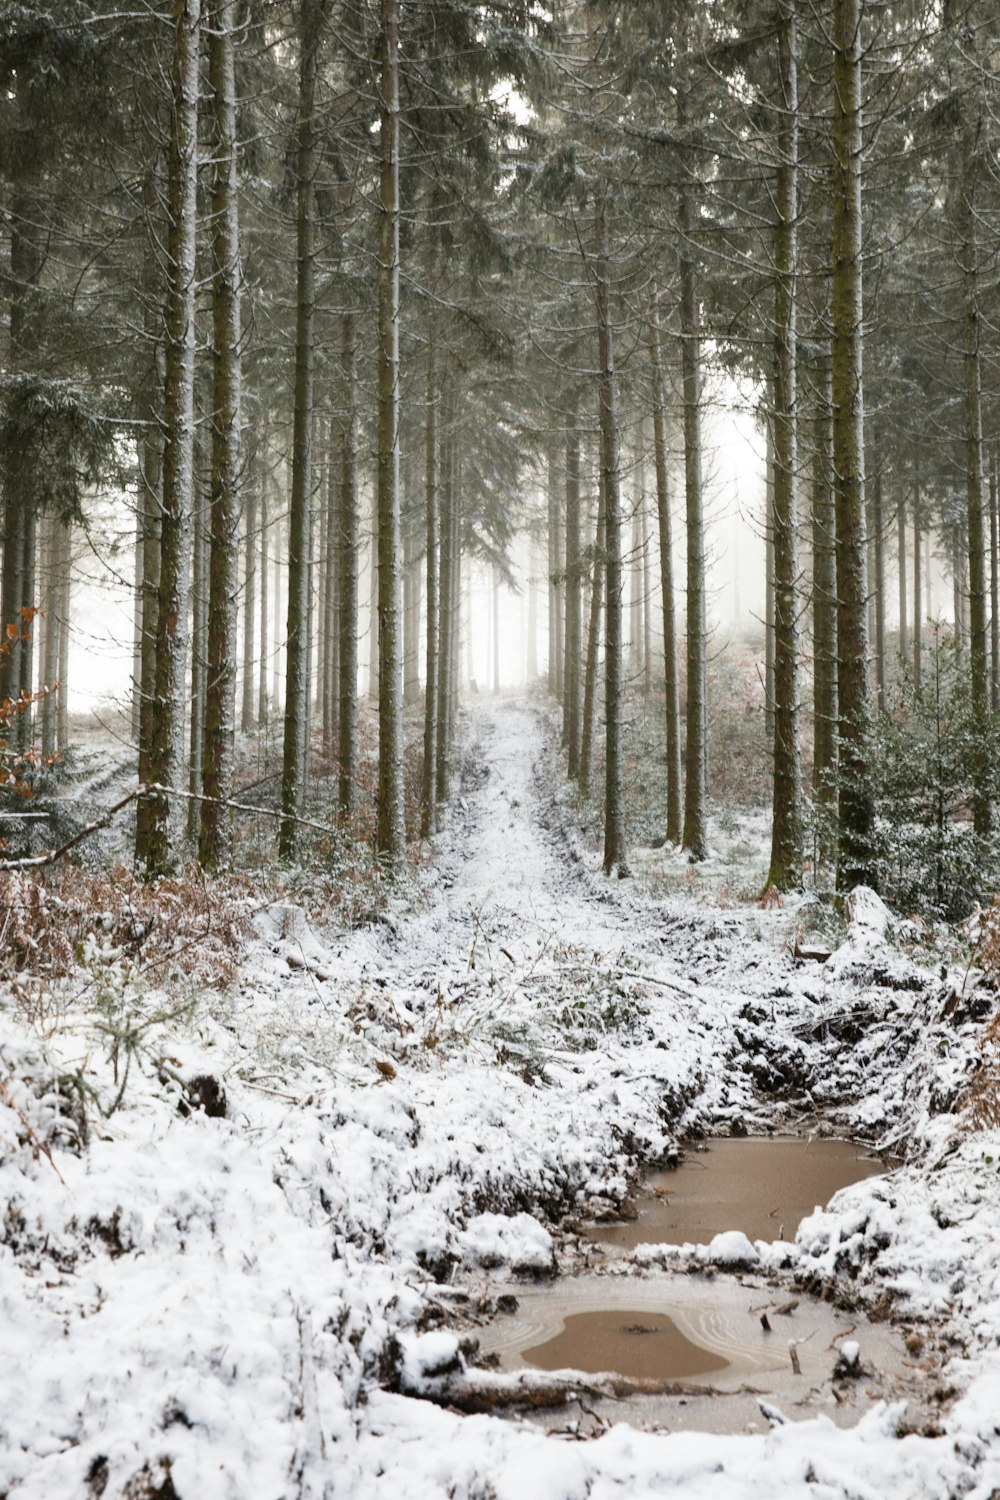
[[728, 1340], [764, 1186]]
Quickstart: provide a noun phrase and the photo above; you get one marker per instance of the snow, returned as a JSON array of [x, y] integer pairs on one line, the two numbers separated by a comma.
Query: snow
[[247, 1303]]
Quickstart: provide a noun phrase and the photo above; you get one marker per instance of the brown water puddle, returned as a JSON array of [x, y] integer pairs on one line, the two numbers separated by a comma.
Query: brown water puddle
[[642, 1345], [762, 1185]]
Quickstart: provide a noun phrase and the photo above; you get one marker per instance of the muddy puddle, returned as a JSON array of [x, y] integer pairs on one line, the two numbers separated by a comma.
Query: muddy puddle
[[764, 1186], [727, 1341], [712, 1342]]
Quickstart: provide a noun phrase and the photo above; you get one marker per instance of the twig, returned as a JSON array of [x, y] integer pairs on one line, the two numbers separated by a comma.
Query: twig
[[39, 1144]]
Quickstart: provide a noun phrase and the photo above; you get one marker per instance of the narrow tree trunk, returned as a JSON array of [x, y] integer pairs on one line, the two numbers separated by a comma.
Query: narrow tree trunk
[[785, 870], [297, 644], [214, 845], [982, 812], [249, 685], [856, 806], [695, 835], [156, 852], [593, 645], [824, 528], [428, 801], [64, 609], [877, 587], [391, 834], [918, 619], [199, 643], [994, 592], [277, 651], [904, 649], [264, 632], [50, 639], [446, 602], [769, 569], [349, 549], [615, 853], [671, 691], [571, 696]]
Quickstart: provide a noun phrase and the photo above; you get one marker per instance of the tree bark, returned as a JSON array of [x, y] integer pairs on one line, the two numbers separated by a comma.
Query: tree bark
[[571, 695], [428, 801], [297, 643], [824, 602], [856, 806], [695, 833], [671, 691], [785, 872], [214, 842], [391, 832], [347, 593], [156, 840], [615, 851], [918, 621], [593, 645]]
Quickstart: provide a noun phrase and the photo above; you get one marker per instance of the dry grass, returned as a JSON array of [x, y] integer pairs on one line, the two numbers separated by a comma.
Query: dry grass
[[179, 925]]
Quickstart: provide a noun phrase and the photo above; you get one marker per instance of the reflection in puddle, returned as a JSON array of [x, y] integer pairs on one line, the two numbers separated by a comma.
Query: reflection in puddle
[[642, 1345], [763, 1186]]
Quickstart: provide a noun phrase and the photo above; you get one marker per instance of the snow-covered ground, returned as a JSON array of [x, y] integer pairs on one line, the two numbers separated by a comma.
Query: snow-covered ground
[[246, 1304]]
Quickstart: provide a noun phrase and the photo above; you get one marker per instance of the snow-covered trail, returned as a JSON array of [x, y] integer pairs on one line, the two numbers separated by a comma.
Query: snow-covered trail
[[236, 1306]]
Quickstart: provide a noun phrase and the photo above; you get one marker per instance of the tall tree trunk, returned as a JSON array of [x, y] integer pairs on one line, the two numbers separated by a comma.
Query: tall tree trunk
[[297, 644], [391, 834], [982, 812], [904, 649], [671, 691], [769, 569], [64, 608], [593, 646], [331, 601], [447, 604], [615, 852], [994, 591], [571, 696], [856, 806], [786, 822], [349, 541], [199, 641], [249, 684], [27, 257], [428, 801], [918, 618], [156, 850], [877, 587], [824, 602], [262, 710], [49, 667], [214, 844], [695, 835]]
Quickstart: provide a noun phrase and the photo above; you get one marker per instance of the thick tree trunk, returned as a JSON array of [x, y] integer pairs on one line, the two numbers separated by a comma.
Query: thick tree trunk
[[158, 837], [769, 569], [214, 842], [297, 643], [64, 609], [785, 870], [671, 691], [856, 804]]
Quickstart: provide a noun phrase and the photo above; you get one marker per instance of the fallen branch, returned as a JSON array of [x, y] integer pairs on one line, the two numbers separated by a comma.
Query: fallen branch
[[154, 789]]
